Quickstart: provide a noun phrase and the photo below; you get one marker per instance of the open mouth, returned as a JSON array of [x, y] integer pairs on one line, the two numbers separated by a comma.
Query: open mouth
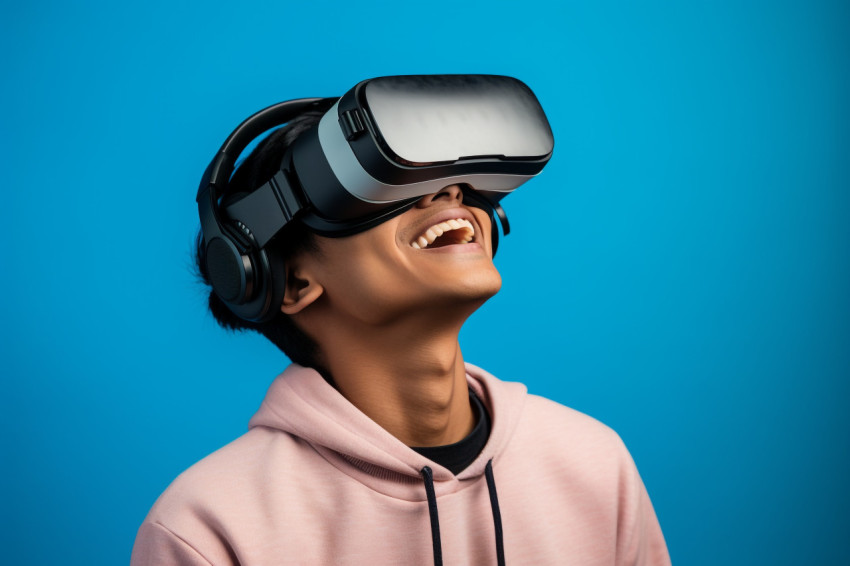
[[446, 233]]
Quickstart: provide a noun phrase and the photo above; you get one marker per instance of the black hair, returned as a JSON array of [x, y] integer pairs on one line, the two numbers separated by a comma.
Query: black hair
[[260, 166]]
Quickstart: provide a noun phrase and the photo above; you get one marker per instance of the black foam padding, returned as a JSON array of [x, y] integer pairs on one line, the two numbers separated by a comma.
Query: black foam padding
[[224, 267]]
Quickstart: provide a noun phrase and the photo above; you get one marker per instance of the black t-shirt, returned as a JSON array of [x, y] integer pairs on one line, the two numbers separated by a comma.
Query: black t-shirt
[[456, 457]]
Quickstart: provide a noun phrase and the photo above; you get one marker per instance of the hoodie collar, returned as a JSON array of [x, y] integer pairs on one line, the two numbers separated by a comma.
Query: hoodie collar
[[301, 403]]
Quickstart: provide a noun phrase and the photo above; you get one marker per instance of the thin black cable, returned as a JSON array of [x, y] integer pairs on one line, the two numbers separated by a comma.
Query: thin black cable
[[432, 511], [497, 515]]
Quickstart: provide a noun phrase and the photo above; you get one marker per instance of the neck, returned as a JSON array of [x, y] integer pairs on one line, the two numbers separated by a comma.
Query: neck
[[409, 381]]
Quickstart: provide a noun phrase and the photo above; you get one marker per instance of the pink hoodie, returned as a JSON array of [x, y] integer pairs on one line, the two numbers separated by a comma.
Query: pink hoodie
[[315, 481]]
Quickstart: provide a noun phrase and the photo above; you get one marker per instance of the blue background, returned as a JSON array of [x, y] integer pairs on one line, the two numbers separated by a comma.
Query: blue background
[[680, 270]]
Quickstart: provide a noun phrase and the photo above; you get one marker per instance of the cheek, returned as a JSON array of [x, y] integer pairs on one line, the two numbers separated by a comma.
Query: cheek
[[363, 269], [365, 274]]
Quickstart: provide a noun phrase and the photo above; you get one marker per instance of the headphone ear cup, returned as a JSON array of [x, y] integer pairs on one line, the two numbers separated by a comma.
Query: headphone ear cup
[[230, 272], [251, 284]]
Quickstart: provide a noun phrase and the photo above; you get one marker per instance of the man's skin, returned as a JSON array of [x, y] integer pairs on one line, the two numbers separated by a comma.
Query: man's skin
[[386, 316]]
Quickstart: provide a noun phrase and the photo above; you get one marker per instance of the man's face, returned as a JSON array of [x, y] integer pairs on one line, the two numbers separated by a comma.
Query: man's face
[[436, 256]]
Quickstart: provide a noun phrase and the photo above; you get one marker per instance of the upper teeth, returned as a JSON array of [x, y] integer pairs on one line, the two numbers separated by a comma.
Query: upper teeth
[[438, 230]]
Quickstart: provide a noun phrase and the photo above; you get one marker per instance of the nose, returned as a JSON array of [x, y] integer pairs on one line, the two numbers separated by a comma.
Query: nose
[[448, 194]]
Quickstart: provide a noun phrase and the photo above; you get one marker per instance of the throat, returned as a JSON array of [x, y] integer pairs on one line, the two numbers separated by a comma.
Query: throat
[[420, 401], [456, 457]]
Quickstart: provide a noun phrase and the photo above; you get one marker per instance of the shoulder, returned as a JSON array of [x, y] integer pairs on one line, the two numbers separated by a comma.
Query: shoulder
[[194, 519], [539, 429], [194, 510], [553, 420], [156, 545], [562, 438], [591, 465]]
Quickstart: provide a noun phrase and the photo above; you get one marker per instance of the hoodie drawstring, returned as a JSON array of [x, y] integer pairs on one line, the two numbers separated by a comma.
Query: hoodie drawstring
[[497, 515], [428, 476], [432, 511]]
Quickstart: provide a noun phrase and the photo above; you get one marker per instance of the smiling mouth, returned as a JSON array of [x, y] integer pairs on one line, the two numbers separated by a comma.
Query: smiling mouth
[[447, 233]]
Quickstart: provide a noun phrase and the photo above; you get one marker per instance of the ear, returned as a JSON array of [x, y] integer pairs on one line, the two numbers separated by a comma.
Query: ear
[[302, 289]]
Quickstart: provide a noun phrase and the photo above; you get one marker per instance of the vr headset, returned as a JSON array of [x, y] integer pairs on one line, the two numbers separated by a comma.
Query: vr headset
[[378, 149]]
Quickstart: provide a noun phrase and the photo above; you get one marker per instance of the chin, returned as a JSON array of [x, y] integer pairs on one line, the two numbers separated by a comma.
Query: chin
[[475, 288]]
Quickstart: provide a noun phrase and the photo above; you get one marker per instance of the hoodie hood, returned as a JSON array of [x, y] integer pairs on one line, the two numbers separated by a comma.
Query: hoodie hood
[[303, 404]]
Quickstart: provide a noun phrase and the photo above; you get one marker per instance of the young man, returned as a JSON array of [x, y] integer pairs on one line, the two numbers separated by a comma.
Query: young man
[[380, 445]]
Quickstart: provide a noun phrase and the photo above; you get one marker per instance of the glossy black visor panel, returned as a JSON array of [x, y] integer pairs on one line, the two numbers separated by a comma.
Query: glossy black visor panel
[[427, 120]]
